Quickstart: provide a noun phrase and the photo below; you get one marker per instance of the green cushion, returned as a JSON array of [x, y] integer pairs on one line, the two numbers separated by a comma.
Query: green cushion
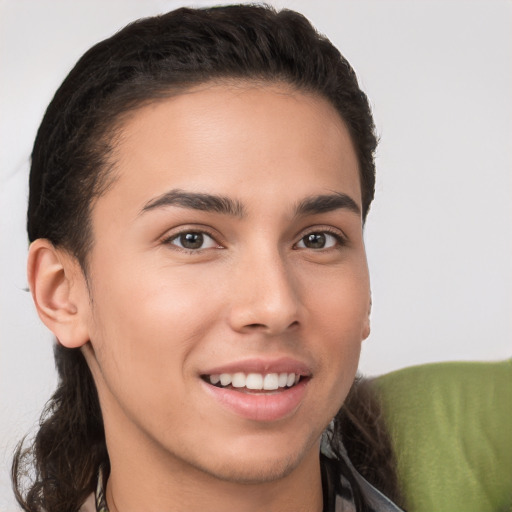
[[451, 426]]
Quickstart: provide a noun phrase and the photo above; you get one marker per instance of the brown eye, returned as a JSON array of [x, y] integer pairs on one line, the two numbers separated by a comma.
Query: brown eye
[[314, 241], [193, 241], [318, 240]]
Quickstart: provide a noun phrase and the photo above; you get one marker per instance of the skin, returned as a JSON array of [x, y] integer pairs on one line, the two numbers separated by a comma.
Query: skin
[[151, 316]]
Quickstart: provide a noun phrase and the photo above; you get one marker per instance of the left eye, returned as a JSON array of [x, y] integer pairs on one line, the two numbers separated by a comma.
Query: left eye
[[318, 240], [193, 240]]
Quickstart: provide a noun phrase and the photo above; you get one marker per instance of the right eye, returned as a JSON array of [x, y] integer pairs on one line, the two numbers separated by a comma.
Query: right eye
[[192, 241], [320, 240]]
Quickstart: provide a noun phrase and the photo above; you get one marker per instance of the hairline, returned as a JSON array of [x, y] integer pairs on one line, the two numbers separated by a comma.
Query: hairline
[[107, 175]]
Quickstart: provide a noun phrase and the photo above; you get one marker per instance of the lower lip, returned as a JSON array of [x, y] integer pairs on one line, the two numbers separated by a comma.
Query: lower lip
[[271, 406]]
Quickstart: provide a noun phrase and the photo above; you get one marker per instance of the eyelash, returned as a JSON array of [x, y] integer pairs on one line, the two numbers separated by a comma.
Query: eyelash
[[341, 240]]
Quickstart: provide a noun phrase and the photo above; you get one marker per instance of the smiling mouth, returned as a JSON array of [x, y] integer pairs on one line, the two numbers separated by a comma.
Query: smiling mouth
[[254, 382]]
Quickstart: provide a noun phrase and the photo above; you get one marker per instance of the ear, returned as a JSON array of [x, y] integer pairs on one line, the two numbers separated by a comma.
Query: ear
[[59, 291], [366, 324]]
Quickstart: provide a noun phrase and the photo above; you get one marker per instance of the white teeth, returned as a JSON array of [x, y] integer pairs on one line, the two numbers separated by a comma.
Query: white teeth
[[283, 379], [238, 380], [256, 381], [271, 381], [225, 379]]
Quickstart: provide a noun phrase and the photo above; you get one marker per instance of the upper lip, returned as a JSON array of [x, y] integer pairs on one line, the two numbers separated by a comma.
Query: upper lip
[[263, 366]]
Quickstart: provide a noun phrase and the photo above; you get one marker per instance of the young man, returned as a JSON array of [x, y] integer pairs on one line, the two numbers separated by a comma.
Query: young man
[[199, 186]]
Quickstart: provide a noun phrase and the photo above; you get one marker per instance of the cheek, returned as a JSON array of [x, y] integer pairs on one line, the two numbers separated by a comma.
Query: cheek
[[339, 305], [147, 295], [146, 323], [340, 300], [143, 340]]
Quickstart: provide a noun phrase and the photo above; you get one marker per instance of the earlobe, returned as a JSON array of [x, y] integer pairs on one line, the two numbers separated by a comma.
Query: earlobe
[[366, 325], [366, 329], [59, 292]]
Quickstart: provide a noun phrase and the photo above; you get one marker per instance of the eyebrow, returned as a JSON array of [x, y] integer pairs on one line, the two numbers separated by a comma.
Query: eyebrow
[[322, 203], [327, 203], [197, 201]]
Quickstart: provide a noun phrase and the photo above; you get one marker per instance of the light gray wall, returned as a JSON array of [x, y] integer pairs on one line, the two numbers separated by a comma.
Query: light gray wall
[[439, 236]]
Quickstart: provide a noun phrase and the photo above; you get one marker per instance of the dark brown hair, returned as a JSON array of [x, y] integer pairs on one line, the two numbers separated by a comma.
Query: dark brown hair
[[71, 166]]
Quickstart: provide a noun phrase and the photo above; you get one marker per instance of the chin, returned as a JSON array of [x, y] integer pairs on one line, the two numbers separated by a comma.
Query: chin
[[248, 471], [260, 462]]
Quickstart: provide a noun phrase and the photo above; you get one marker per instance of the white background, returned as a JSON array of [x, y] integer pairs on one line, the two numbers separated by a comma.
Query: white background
[[439, 236]]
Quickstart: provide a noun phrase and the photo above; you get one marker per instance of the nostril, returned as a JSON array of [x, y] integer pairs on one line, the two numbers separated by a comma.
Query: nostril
[[256, 326], [294, 324]]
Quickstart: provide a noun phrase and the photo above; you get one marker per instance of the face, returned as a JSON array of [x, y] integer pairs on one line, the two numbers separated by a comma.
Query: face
[[228, 281]]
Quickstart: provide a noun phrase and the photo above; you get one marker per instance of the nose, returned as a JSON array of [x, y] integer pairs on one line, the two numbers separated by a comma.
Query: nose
[[265, 295]]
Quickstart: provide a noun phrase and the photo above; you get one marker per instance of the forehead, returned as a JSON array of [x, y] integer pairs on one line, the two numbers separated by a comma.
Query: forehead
[[237, 139]]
